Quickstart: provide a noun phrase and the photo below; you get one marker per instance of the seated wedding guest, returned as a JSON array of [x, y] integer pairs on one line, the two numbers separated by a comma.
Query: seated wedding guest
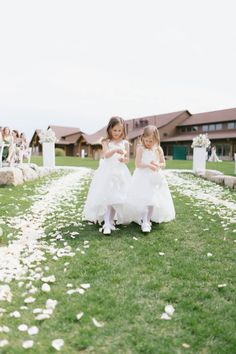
[[8, 151], [25, 147], [17, 146]]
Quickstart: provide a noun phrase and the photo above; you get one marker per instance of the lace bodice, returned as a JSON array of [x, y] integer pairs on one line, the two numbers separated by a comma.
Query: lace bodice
[[149, 155]]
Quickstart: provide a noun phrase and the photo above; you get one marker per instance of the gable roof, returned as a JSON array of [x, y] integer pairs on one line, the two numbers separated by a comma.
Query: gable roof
[[210, 117], [61, 131], [159, 120]]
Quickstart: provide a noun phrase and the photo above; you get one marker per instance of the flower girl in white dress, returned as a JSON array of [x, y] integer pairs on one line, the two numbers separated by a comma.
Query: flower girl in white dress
[[109, 187], [149, 197]]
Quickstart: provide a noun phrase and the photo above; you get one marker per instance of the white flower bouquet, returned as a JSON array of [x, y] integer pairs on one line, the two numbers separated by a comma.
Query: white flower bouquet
[[201, 140], [47, 136]]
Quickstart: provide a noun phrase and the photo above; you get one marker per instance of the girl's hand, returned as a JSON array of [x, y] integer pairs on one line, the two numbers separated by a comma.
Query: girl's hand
[[152, 167], [155, 163], [119, 151]]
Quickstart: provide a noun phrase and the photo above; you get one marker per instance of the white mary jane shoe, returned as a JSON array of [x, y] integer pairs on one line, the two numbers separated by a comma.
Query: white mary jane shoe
[[146, 227], [107, 230]]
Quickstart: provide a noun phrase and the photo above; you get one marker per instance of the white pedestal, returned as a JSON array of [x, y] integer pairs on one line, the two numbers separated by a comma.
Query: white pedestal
[[199, 159], [235, 164], [49, 154]]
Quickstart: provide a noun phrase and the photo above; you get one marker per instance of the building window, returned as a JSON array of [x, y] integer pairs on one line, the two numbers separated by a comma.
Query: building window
[[231, 125], [211, 127]]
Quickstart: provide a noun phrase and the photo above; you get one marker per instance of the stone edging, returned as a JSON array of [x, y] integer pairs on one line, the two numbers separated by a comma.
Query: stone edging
[[19, 174], [218, 177]]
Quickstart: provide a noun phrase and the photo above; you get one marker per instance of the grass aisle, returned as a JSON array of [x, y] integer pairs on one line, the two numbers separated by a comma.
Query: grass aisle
[[130, 282]]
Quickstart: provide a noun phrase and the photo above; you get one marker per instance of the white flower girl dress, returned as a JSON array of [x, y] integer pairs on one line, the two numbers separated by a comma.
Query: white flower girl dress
[[149, 188], [109, 186]]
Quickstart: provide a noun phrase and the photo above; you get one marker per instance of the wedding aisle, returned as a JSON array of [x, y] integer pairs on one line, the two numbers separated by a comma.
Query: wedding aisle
[[64, 286]]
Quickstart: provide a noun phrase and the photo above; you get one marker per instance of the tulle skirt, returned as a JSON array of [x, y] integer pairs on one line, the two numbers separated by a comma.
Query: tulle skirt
[[148, 188], [109, 186]]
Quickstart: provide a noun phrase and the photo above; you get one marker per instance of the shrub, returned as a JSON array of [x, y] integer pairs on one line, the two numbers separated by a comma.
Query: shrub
[[60, 152]]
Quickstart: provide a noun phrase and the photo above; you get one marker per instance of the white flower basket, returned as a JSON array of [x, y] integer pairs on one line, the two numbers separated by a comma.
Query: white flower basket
[[49, 154], [199, 159]]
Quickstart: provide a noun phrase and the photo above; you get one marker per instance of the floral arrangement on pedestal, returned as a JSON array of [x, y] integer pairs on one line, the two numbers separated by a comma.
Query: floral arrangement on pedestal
[[47, 136], [201, 140]]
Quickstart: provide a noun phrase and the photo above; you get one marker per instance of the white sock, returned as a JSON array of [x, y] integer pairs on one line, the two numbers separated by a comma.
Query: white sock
[[149, 213], [145, 216], [112, 215], [107, 216]]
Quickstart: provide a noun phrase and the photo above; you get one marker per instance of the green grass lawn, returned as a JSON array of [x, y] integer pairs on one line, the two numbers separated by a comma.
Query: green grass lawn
[[227, 167], [131, 284]]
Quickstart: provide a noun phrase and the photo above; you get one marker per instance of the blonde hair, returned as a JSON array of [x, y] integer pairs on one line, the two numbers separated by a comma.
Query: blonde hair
[[150, 131], [112, 123]]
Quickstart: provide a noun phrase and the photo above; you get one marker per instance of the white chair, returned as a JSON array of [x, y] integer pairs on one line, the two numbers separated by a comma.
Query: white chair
[[1, 152], [27, 154]]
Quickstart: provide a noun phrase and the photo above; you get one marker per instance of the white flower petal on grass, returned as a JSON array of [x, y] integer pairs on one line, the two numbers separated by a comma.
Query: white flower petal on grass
[[185, 345], [5, 293], [209, 254], [161, 253], [46, 288], [85, 286], [169, 309], [1, 232], [27, 344], [57, 344], [69, 285], [23, 328], [36, 311], [3, 343], [42, 316], [48, 312], [222, 285], [96, 323], [15, 314], [164, 316], [49, 279], [29, 300], [33, 330], [135, 238], [51, 304], [4, 329], [79, 315], [80, 291]]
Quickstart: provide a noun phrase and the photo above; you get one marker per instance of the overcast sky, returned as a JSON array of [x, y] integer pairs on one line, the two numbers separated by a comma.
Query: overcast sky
[[78, 62]]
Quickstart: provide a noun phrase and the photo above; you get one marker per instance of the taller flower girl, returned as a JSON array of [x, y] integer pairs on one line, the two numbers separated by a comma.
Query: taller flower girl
[[109, 187]]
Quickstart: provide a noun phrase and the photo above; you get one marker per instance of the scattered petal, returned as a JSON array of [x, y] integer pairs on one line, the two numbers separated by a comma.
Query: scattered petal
[[96, 323], [79, 316], [185, 345], [169, 309], [28, 344], [164, 316], [222, 285], [85, 286], [161, 253], [33, 330], [23, 327], [57, 344], [29, 300], [3, 343], [46, 288]]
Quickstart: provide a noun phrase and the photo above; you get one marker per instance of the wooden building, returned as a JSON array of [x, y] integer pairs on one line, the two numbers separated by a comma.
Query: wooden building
[[177, 130]]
